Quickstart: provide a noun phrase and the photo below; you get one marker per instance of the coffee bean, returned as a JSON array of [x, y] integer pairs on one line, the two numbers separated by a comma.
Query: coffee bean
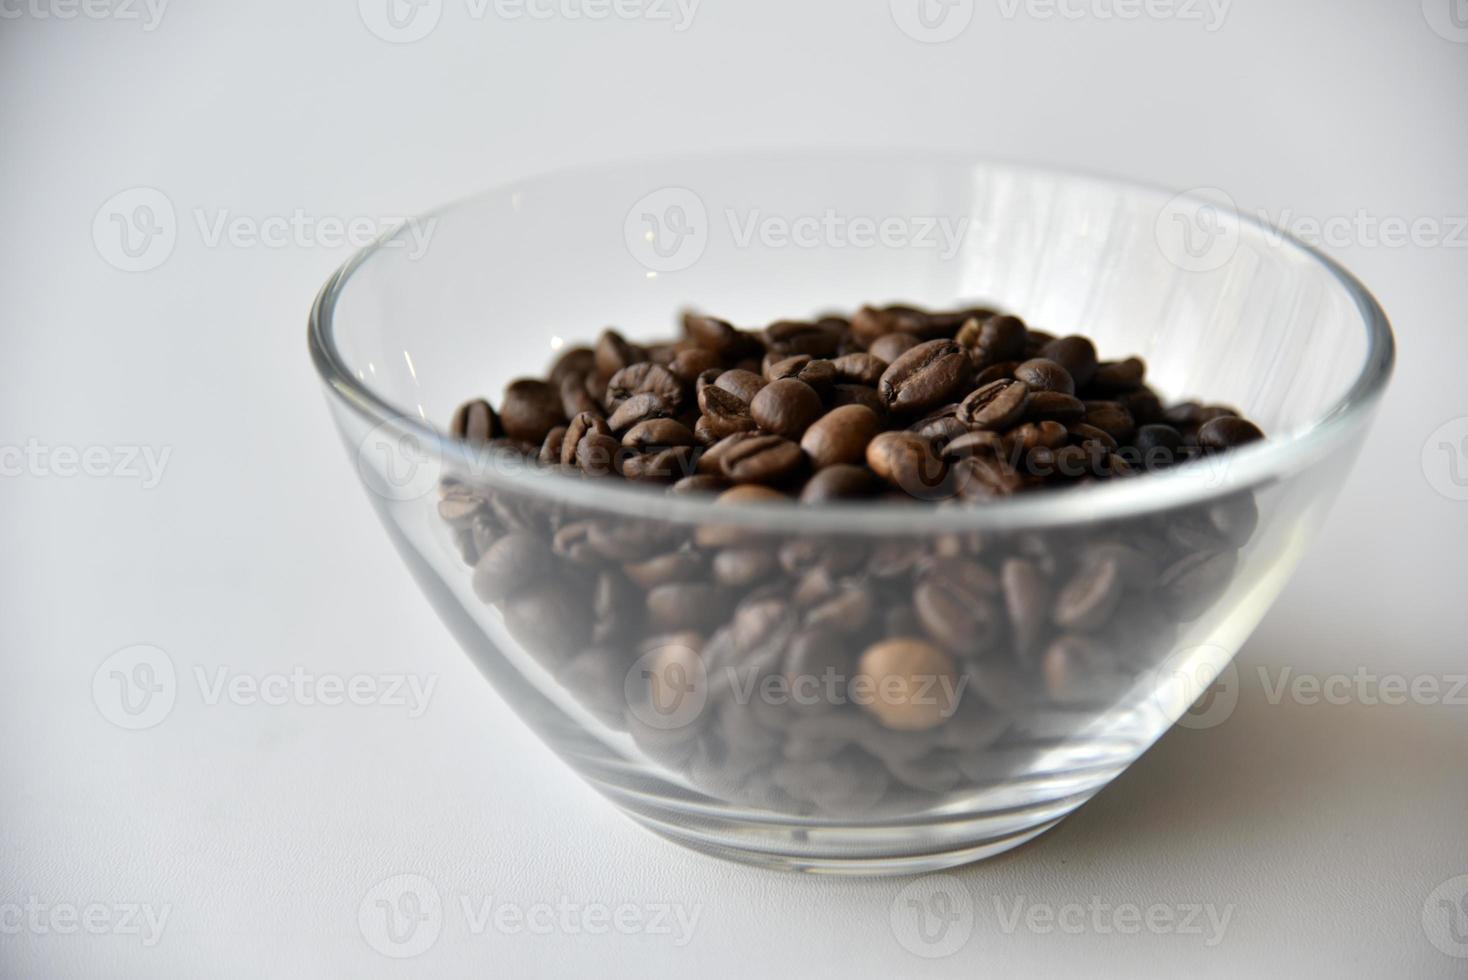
[[743, 384], [1027, 600], [1055, 406], [550, 450], [912, 683], [1118, 376], [859, 369], [660, 466], [696, 606], [575, 398], [582, 425], [786, 407], [698, 483], [743, 567], [728, 535], [858, 395], [674, 566], [1051, 435], [1087, 601], [474, 422], [511, 563], [1077, 670], [599, 455], [790, 337], [1227, 432], [841, 481], [997, 338], [688, 365], [645, 378], [925, 377], [1076, 354], [907, 462], [530, 409], [613, 353], [890, 347], [657, 434], [995, 407], [1041, 374], [549, 619], [840, 436], [762, 459], [714, 335], [955, 604]]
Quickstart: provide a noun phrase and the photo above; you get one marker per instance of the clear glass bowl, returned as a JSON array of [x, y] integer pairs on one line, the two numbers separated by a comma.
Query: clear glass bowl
[[719, 722]]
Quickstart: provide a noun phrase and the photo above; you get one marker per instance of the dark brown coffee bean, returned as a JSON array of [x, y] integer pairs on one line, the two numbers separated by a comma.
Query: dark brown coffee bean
[[941, 427], [639, 408], [858, 395], [955, 604], [925, 377], [1078, 669], [840, 436], [719, 337], [724, 413], [908, 463], [870, 324], [599, 455], [688, 365], [1087, 601], [694, 606], [1142, 405], [982, 477], [1076, 354], [1111, 418], [645, 378], [657, 434], [979, 441], [660, 466], [674, 566], [890, 347], [575, 398], [1086, 435], [699, 483], [791, 337], [511, 563], [530, 409], [582, 425], [841, 481], [1056, 406], [1000, 338], [1027, 600], [550, 619], [572, 362], [1042, 374], [613, 353], [743, 567], [786, 407], [475, 422], [1051, 435], [996, 406], [859, 369], [1118, 376], [740, 383], [762, 459], [711, 462], [1227, 432], [1002, 371], [550, 450]]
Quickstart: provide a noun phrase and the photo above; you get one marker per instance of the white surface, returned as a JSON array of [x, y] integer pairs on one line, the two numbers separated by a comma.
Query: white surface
[[262, 829]]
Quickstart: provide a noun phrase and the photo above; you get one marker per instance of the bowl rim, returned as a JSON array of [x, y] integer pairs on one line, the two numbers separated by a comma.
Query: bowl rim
[[1249, 466]]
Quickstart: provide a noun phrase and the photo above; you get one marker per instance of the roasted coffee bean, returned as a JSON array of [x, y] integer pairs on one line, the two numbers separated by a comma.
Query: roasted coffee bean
[[657, 434], [674, 566], [696, 606], [688, 365], [996, 338], [572, 362], [1076, 354], [717, 336], [955, 602], [1055, 406], [1087, 435], [582, 425], [859, 369], [786, 407], [645, 378], [981, 477], [1051, 435], [907, 462], [743, 567], [858, 395], [890, 347], [743, 384], [1042, 374], [511, 563], [790, 337], [550, 450], [660, 466], [728, 535], [699, 483], [1227, 432], [842, 481], [925, 377], [839, 436], [475, 422], [1001, 371], [1078, 669], [1142, 405], [599, 455], [724, 413], [1118, 376], [1111, 418], [821, 660], [637, 409], [1027, 600], [762, 459], [549, 618], [912, 683], [972, 443], [613, 353], [530, 409], [940, 428], [1087, 601], [575, 398], [996, 406]]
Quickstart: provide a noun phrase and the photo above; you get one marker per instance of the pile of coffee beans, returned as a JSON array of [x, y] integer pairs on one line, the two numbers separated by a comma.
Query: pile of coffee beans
[[833, 674]]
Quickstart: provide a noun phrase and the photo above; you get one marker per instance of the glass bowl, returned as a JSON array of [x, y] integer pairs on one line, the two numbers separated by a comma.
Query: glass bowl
[[710, 667]]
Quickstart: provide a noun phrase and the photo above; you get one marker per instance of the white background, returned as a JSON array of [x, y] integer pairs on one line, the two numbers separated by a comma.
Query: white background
[[263, 829]]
